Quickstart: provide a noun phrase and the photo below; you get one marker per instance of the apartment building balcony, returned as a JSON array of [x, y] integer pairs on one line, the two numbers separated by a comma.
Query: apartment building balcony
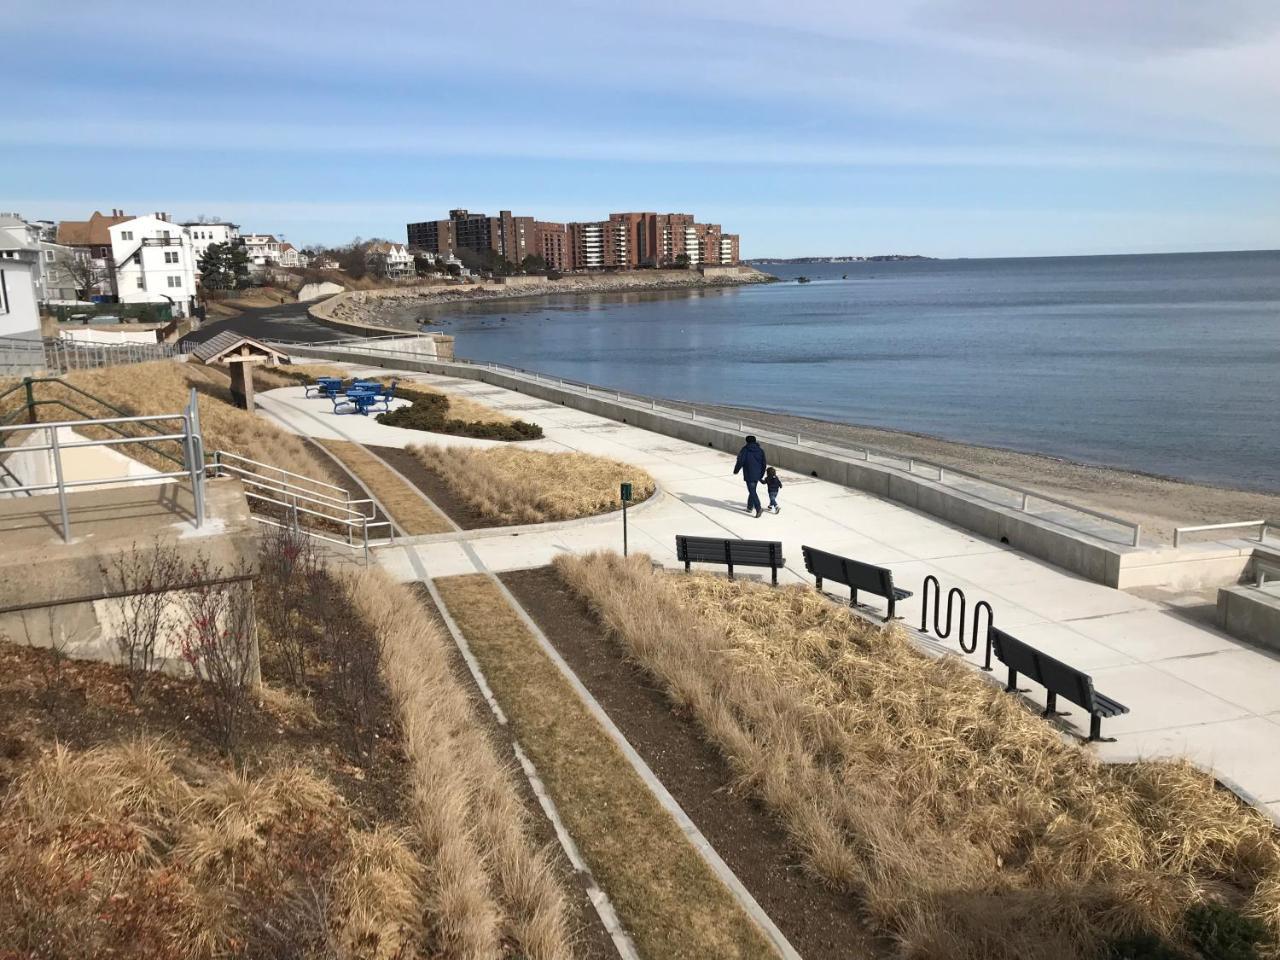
[[162, 241]]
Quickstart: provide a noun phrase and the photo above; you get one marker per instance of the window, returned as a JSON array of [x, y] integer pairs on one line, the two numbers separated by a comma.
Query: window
[[126, 234], [175, 281], [48, 256], [141, 284], [171, 256]]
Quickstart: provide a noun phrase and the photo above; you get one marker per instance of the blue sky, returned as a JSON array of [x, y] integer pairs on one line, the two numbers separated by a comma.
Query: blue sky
[[943, 127]]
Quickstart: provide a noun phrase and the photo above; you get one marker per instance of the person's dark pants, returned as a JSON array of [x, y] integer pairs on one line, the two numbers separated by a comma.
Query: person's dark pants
[[753, 497]]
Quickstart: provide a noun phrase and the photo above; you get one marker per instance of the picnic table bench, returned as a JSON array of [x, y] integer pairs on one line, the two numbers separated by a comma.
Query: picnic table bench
[[363, 395], [731, 553], [327, 387], [855, 575], [1057, 678]]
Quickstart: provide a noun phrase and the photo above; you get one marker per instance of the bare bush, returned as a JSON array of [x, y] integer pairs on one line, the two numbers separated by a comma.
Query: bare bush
[[286, 563], [144, 579], [220, 645], [50, 665]]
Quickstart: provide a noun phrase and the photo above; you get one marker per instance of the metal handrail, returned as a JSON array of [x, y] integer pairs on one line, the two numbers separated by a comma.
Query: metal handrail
[[1263, 526], [220, 455], [1024, 495], [1261, 569], [189, 437]]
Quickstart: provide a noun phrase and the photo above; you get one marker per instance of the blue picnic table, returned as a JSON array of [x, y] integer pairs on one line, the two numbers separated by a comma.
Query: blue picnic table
[[328, 387]]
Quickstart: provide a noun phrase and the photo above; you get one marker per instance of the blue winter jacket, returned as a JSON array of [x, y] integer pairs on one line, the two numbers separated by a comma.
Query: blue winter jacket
[[750, 463]]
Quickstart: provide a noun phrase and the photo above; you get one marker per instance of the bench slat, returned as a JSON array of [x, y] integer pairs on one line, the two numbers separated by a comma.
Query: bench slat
[[853, 574]]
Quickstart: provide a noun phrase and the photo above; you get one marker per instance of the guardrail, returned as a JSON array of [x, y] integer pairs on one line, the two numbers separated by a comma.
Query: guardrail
[[1262, 525], [295, 497], [19, 357], [188, 437], [998, 492], [1262, 570]]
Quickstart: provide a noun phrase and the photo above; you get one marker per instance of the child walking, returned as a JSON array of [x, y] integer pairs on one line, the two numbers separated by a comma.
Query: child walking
[[774, 483]]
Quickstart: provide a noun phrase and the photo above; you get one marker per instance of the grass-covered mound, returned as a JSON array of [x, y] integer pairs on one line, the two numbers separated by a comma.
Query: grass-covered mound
[[965, 824], [510, 485], [432, 412]]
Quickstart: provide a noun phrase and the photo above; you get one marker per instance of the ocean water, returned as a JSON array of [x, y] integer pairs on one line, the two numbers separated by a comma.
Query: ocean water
[[1166, 364]]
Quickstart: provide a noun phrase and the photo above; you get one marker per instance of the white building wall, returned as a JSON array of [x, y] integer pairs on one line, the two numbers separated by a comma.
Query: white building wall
[[155, 263], [19, 313], [205, 235]]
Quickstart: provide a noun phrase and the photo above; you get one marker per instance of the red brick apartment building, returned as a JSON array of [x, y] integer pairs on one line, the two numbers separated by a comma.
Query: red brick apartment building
[[625, 241]]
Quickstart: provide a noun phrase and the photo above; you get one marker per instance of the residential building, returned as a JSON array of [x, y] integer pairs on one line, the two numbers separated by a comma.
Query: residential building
[[56, 265], [551, 243], [390, 260], [291, 256], [92, 238], [154, 263], [510, 237], [205, 233], [19, 313], [262, 248], [624, 241]]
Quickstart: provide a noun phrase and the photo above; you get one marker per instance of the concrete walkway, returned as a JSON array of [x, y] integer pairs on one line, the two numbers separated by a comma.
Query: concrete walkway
[[1191, 690]]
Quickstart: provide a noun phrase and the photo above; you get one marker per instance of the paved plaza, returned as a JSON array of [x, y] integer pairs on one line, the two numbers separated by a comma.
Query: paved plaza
[[1191, 689]]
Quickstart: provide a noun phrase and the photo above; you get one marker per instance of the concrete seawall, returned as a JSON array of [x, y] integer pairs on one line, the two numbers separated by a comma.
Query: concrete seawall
[[1101, 561]]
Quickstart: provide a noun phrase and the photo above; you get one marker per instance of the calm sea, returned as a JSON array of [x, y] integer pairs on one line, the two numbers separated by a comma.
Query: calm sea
[[1165, 364]]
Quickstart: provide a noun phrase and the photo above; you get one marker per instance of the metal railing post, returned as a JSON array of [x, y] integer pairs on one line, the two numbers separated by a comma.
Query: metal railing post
[[31, 400], [62, 490], [365, 531], [1024, 501], [1137, 532]]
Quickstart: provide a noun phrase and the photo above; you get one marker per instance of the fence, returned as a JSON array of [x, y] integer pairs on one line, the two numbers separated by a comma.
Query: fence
[[1062, 513], [1264, 527], [186, 434], [19, 357]]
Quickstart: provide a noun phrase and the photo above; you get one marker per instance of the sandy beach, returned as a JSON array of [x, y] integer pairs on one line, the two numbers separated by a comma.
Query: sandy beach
[[1158, 503]]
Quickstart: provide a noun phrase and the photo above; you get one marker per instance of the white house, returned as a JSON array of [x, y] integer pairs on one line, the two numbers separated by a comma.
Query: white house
[[19, 315], [204, 234], [54, 277], [291, 256], [263, 248], [154, 263], [390, 260]]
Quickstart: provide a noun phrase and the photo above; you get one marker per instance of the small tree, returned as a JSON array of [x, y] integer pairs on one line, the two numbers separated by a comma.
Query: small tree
[[85, 274], [224, 267], [533, 264], [220, 645], [682, 260], [144, 580]]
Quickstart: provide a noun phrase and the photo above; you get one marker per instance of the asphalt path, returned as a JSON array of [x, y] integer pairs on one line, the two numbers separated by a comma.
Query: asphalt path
[[286, 321]]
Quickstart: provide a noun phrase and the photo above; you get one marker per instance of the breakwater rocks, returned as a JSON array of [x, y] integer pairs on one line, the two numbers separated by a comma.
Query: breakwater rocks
[[394, 306]]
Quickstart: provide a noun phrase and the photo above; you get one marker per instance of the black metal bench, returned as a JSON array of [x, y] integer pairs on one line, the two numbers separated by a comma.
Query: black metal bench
[[1057, 678], [731, 553], [855, 575]]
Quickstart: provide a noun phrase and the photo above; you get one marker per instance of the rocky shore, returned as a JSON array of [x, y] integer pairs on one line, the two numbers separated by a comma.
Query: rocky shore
[[392, 308]]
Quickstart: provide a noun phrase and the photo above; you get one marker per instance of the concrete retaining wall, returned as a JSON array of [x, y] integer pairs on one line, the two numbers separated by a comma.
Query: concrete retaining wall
[[1250, 614]]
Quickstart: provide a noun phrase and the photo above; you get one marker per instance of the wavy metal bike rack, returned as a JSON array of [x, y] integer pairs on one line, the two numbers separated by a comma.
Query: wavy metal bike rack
[[942, 628]]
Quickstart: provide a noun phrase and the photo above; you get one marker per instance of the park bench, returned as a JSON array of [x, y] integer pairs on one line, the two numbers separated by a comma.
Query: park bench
[[855, 575], [1057, 678], [731, 553]]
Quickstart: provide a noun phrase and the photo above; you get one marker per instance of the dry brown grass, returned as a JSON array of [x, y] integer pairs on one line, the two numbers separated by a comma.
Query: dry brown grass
[[485, 883], [163, 386], [405, 504], [963, 821], [129, 850], [513, 485], [669, 900]]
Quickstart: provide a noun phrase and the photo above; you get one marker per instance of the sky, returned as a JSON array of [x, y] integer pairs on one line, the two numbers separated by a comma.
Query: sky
[[950, 128]]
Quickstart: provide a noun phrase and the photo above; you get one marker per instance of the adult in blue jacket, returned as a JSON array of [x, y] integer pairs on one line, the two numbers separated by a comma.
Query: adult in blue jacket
[[751, 464]]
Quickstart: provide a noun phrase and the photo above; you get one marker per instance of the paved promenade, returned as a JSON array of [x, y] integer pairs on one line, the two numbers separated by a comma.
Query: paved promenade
[[1191, 689]]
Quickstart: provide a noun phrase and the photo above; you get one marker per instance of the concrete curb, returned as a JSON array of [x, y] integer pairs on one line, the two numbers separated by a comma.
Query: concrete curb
[[599, 899], [700, 843]]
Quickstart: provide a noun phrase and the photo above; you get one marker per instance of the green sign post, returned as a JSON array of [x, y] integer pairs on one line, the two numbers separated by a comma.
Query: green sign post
[[625, 494]]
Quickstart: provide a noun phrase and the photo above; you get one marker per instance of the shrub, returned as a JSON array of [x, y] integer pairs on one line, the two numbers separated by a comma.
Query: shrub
[[429, 412], [286, 560], [144, 579], [220, 645], [1220, 933], [1143, 946]]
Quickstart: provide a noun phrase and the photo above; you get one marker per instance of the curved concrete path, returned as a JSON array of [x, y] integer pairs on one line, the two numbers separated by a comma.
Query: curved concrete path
[[1191, 689]]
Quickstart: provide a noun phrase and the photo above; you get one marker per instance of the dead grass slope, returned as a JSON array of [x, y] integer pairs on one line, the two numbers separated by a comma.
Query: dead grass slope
[[967, 826], [510, 485], [488, 888], [403, 501], [671, 903], [163, 386]]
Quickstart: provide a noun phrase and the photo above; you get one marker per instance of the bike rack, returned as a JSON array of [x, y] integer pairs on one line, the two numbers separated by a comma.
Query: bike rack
[[942, 629]]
